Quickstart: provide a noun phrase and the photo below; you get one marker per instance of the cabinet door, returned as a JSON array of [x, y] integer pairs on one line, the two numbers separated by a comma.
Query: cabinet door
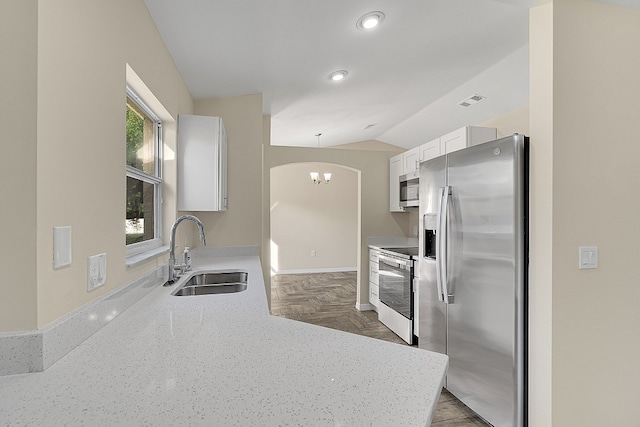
[[411, 160], [453, 141], [202, 164], [223, 201], [395, 170], [430, 150]]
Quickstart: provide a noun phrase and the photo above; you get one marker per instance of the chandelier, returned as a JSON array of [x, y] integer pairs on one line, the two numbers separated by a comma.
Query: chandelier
[[315, 176]]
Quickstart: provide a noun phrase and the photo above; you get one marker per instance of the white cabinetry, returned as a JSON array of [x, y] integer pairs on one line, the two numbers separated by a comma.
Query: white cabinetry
[[396, 168], [399, 165], [456, 140], [430, 150], [411, 160], [202, 164], [373, 278]]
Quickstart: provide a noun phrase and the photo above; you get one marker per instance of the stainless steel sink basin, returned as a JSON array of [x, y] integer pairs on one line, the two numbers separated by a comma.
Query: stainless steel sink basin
[[214, 282]]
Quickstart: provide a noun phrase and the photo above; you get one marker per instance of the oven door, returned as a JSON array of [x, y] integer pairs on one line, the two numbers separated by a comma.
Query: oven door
[[395, 284]]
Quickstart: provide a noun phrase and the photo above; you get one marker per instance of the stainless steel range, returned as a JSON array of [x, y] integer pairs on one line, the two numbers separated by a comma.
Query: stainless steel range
[[396, 274]]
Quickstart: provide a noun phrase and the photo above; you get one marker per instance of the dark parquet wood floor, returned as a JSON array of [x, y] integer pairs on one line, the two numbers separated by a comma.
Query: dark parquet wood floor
[[328, 299]]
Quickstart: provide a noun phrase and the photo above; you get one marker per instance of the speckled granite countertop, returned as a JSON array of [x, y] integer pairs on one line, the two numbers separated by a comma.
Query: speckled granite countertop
[[222, 360]]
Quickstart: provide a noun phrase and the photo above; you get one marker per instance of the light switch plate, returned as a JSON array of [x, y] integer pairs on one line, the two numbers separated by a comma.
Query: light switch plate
[[588, 257], [61, 246], [96, 271]]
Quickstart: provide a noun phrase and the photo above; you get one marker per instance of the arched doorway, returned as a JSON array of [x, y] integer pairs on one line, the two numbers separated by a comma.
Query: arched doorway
[[313, 227]]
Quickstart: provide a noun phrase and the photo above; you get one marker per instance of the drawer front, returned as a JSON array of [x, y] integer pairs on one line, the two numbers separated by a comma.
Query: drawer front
[[373, 294], [373, 267], [373, 273]]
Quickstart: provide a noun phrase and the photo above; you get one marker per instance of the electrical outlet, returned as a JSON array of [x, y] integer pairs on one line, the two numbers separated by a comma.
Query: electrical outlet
[[313, 252], [96, 271]]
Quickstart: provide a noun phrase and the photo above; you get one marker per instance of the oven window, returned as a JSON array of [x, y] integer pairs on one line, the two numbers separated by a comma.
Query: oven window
[[395, 287]]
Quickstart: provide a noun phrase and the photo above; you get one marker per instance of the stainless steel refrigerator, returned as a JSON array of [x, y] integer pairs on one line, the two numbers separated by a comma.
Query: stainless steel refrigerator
[[473, 274]]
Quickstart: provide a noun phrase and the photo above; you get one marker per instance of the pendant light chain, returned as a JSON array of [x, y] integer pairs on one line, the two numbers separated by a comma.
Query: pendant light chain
[[315, 176]]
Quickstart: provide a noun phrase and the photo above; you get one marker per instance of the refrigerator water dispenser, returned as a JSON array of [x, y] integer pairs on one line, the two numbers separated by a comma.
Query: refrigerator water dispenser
[[430, 224]]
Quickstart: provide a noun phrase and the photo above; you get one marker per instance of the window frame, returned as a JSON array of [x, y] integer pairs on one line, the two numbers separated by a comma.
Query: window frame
[[156, 179]]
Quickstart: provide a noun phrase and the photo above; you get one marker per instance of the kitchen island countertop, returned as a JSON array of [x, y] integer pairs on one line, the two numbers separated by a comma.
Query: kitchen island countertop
[[223, 360]]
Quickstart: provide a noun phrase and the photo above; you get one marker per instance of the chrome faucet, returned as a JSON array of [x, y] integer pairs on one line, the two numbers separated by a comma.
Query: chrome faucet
[[175, 270]]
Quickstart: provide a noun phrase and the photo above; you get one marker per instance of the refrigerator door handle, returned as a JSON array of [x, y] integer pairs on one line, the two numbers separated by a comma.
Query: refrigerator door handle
[[445, 192], [439, 249], [439, 254]]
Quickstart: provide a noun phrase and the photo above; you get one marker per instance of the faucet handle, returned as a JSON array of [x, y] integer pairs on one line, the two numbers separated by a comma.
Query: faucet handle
[[187, 258]]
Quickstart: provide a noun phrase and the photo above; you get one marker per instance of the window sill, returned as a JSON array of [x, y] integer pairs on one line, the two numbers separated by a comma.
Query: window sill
[[134, 260]]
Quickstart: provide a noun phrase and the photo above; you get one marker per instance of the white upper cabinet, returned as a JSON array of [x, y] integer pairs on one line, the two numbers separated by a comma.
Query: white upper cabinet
[[202, 164], [411, 160], [399, 165], [456, 140], [430, 150], [453, 141]]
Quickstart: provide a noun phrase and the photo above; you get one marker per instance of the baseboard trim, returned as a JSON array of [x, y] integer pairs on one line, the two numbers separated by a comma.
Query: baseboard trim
[[365, 307], [314, 270]]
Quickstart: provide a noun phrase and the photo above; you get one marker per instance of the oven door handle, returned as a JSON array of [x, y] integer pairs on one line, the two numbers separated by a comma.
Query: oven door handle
[[394, 262]]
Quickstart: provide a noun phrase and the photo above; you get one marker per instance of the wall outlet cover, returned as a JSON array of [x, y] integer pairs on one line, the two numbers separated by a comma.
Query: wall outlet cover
[[61, 246], [96, 271]]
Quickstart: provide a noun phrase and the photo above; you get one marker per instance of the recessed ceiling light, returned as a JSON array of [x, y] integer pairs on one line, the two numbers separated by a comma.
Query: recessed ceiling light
[[337, 75], [370, 20]]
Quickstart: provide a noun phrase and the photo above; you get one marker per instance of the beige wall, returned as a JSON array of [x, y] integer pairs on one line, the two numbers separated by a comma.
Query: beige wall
[[516, 121], [541, 215], [307, 216], [18, 139], [373, 207], [82, 52], [584, 112], [241, 225]]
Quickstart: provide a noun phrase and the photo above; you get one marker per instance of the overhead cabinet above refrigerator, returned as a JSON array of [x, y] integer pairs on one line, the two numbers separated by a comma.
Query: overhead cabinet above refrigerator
[[202, 164]]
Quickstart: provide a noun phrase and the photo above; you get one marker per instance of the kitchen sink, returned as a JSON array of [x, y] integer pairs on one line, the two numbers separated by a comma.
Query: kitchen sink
[[214, 282]]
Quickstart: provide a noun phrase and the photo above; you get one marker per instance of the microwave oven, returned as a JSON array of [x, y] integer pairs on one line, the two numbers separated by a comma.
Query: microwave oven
[[410, 190]]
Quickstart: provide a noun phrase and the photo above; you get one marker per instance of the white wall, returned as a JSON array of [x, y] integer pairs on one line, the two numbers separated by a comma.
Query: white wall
[[318, 217]]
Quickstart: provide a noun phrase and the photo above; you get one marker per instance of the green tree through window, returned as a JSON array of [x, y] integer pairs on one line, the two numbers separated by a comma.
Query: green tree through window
[[143, 173]]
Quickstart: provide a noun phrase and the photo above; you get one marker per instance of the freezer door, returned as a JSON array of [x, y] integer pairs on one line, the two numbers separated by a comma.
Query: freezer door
[[432, 328], [486, 278]]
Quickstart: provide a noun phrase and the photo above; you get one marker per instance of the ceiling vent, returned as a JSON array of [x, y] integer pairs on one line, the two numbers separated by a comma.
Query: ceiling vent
[[473, 99]]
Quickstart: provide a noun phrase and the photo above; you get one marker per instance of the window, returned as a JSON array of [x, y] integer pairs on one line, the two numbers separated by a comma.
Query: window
[[144, 177]]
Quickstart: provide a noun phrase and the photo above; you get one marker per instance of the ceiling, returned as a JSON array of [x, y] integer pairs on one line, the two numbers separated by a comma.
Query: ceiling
[[406, 77]]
